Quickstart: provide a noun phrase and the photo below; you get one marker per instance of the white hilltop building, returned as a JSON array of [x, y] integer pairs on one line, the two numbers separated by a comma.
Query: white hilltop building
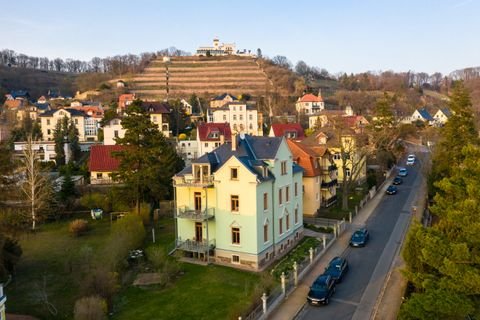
[[223, 49]]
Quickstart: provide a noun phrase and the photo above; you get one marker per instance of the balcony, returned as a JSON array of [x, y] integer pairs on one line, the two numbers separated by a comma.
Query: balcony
[[191, 245], [329, 169], [191, 181], [328, 202], [196, 215], [327, 185]]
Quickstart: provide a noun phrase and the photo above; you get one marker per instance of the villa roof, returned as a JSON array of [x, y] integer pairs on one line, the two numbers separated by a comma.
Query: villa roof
[[73, 112], [102, 159], [156, 107], [212, 131], [223, 96], [282, 129], [310, 98], [425, 114]]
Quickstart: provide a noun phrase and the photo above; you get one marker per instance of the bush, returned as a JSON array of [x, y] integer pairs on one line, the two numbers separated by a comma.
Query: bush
[[78, 227], [162, 263], [94, 200], [103, 283], [127, 234], [90, 308]]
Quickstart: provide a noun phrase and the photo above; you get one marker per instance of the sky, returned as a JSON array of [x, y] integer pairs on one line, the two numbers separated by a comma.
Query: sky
[[338, 35]]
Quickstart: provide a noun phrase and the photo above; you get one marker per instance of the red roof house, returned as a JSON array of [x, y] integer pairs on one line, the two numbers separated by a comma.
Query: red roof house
[[287, 130], [212, 131], [102, 163], [310, 98]]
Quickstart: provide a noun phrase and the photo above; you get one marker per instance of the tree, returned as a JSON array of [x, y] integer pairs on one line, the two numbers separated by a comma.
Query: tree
[[282, 61], [259, 53], [66, 132], [10, 253], [149, 162], [35, 187]]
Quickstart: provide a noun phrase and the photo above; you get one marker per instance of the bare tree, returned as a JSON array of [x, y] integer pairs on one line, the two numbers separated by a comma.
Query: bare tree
[[36, 187]]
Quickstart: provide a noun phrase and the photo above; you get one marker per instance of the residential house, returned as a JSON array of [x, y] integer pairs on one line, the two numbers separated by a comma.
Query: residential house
[[325, 116], [45, 149], [221, 100], [240, 205], [124, 100], [187, 150], [103, 163], [421, 115], [159, 115], [345, 142], [187, 107], [18, 95], [441, 116], [288, 130], [113, 129], [211, 136], [310, 104], [49, 119], [241, 117], [319, 176]]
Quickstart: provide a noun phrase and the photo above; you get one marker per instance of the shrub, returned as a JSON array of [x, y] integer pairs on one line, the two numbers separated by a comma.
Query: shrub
[[182, 136], [162, 263], [90, 308], [78, 227], [102, 283], [94, 200]]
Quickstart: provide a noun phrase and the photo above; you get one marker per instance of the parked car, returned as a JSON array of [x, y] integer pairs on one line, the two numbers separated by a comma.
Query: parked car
[[321, 290], [411, 160], [402, 172], [397, 181], [392, 189], [337, 267], [359, 238]]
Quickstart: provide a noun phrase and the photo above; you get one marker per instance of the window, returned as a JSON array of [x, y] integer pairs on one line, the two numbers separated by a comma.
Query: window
[[234, 203], [287, 221], [265, 201], [235, 235], [48, 131], [234, 109], [250, 126], [240, 117], [206, 144], [99, 175], [284, 167], [280, 196], [347, 172], [296, 189], [217, 144], [239, 108], [250, 117], [287, 193], [280, 225], [265, 233], [337, 156], [296, 215], [115, 133], [76, 121], [48, 122], [234, 173], [234, 117], [154, 118], [224, 117], [235, 259]]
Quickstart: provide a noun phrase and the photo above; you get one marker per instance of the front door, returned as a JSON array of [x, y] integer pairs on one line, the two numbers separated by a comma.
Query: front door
[[198, 201], [198, 231]]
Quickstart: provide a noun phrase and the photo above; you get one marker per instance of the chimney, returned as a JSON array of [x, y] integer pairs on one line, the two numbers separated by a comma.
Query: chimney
[[222, 139], [234, 142]]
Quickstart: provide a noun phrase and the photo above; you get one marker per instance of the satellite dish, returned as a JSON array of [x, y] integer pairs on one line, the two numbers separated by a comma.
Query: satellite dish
[[242, 135]]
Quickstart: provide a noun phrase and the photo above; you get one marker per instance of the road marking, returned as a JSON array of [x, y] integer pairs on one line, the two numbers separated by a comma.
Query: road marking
[[345, 301]]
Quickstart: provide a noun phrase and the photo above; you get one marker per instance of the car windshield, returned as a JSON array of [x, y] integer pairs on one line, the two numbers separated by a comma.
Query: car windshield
[[357, 235], [320, 288]]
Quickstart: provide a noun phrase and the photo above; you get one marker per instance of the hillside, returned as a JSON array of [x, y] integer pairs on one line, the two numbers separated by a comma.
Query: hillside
[[205, 76], [37, 82]]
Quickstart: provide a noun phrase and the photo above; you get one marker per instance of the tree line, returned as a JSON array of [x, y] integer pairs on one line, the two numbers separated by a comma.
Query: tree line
[[117, 65]]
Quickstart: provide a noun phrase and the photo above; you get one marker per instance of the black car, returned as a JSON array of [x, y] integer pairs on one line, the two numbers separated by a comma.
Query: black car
[[397, 181], [337, 268], [359, 238], [321, 290], [392, 189]]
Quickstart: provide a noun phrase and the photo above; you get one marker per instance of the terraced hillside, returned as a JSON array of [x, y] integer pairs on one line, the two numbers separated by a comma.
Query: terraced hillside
[[202, 76]]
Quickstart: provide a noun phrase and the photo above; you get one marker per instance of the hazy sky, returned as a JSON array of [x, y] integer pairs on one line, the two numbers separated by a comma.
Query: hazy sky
[[338, 35]]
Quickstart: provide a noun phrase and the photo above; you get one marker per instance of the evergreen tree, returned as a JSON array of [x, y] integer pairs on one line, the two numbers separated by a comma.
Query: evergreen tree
[[149, 162], [73, 140]]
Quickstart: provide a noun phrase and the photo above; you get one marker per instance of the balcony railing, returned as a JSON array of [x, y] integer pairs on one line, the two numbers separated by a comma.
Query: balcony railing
[[197, 215], [326, 185], [195, 246], [189, 180], [328, 202]]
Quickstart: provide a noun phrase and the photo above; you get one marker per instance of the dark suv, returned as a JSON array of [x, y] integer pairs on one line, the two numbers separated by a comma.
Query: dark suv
[[321, 290], [337, 268]]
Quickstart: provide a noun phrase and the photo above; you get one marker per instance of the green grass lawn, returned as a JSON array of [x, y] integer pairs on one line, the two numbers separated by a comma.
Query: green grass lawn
[[53, 263], [336, 211], [48, 268]]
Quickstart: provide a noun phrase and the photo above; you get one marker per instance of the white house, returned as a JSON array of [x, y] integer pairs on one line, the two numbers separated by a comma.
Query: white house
[[240, 116], [441, 116], [112, 130], [188, 150], [45, 149], [421, 115], [310, 104]]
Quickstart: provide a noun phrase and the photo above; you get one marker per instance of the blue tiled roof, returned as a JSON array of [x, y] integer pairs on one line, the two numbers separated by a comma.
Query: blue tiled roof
[[425, 114], [251, 151], [223, 96]]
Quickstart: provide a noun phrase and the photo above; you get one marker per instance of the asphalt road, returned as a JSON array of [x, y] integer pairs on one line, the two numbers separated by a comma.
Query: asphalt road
[[356, 295]]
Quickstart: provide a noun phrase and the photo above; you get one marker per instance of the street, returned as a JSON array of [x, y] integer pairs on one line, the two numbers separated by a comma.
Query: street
[[357, 294]]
